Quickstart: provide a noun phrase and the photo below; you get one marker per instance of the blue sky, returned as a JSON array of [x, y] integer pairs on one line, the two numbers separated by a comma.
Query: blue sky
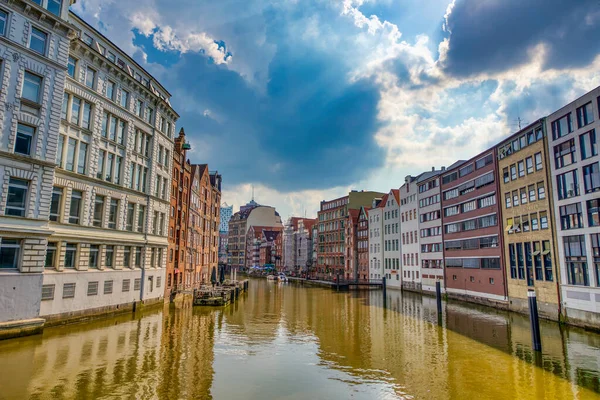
[[306, 99]]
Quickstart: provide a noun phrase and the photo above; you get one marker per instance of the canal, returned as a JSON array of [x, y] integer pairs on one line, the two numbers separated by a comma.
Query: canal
[[292, 342]]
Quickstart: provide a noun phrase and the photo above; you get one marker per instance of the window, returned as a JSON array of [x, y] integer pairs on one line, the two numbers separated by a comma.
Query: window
[[3, 19], [87, 39], [51, 252], [94, 256], [538, 161], [37, 41], [523, 193], [591, 177], [24, 139], [112, 213], [595, 237], [98, 211], [543, 220], [113, 128], [137, 284], [486, 201], [588, 145], [521, 165], [141, 215], [576, 260], [109, 256], [541, 191], [506, 175], [567, 185], [90, 77], [54, 6], [515, 196], [16, 201], [126, 285], [9, 253], [71, 66], [75, 209], [110, 90], [111, 56], [513, 172], [127, 257], [56, 203], [68, 290], [531, 190], [482, 162], [138, 257], [534, 222], [520, 261], [32, 86], [564, 154], [465, 170], [529, 164], [149, 115], [571, 216], [92, 288], [139, 108], [124, 98], [48, 292], [585, 115], [562, 127], [130, 216], [593, 210], [507, 200]]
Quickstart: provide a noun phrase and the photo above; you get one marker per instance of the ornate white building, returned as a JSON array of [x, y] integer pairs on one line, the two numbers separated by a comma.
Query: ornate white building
[[34, 48], [86, 137]]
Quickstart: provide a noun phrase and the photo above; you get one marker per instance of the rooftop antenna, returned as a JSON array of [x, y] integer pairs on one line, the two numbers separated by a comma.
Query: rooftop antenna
[[252, 192]]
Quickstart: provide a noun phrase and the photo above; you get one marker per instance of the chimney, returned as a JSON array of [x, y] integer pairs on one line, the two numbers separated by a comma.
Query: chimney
[[443, 168], [432, 169]]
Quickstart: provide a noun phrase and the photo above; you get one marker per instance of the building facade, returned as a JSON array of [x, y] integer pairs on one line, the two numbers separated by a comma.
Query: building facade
[[362, 270], [332, 217], [430, 230], [109, 222], [575, 171], [297, 244], [376, 238], [529, 229], [473, 252], [34, 43], [409, 229], [392, 242], [352, 243], [224, 216]]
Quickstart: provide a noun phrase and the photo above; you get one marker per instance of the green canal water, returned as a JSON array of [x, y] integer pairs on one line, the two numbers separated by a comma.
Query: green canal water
[[285, 341]]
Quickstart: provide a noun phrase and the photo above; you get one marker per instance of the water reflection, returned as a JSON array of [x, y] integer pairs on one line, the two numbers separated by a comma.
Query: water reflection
[[293, 342]]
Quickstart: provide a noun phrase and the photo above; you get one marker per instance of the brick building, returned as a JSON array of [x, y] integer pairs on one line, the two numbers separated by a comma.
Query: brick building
[[472, 230], [362, 268]]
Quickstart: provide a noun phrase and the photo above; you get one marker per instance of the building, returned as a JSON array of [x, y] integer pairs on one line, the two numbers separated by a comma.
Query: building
[[179, 264], [430, 230], [35, 48], [270, 252], [409, 229], [249, 215], [332, 217], [472, 233], [110, 200], [225, 215], [361, 271], [351, 246], [392, 244], [529, 231], [575, 171], [297, 244], [376, 238], [195, 225], [211, 184]]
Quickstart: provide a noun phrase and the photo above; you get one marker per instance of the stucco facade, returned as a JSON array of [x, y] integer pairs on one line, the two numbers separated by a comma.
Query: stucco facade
[[392, 240], [430, 230], [409, 230]]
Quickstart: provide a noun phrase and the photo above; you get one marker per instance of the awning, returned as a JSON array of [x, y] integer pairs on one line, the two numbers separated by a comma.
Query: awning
[[545, 252], [508, 228], [535, 253]]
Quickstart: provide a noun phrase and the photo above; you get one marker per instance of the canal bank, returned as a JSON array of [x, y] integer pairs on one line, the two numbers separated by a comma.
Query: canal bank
[[290, 341]]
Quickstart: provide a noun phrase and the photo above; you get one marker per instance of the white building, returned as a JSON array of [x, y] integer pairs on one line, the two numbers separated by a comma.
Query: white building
[[34, 48], [409, 229], [109, 206], [376, 239], [226, 213], [392, 243], [297, 244], [573, 133], [430, 230]]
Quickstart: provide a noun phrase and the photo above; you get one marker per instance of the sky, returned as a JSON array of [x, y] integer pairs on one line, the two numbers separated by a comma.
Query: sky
[[305, 100]]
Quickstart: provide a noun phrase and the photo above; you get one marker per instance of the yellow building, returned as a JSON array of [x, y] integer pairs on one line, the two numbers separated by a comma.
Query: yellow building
[[529, 233]]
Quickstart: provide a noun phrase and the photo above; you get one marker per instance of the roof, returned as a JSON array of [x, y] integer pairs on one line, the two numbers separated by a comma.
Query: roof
[[383, 201], [258, 230], [270, 235], [456, 164], [353, 214], [396, 193], [427, 175]]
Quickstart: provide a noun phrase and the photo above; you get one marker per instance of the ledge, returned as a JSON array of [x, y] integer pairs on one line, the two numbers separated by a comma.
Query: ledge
[[24, 327]]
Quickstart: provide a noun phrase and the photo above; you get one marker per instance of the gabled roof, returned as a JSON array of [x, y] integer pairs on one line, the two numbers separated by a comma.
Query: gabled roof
[[270, 235], [426, 175], [383, 201], [396, 194], [353, 214], [456, 164]]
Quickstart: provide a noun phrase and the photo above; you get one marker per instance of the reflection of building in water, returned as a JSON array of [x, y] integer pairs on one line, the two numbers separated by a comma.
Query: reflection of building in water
[[186, 359], [84, 361]]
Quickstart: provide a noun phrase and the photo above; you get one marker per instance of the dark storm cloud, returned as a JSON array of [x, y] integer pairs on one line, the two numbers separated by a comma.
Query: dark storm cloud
[[495, 35]]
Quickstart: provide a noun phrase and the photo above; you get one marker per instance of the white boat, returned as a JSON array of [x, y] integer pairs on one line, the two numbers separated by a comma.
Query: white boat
[[282, 277], [271, 277]]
